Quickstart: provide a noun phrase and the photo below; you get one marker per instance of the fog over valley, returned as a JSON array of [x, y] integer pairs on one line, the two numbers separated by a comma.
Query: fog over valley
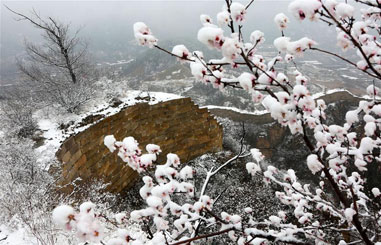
[[107, 27]]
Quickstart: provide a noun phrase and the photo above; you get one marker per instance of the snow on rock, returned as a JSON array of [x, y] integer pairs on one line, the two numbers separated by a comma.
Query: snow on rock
[[49, 123]]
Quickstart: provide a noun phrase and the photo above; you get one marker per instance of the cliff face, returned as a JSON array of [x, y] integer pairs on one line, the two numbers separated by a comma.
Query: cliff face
[[177, 126]]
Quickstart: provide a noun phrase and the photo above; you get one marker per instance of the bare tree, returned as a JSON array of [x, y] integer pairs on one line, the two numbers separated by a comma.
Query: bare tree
[[60, 67], [17, 109]]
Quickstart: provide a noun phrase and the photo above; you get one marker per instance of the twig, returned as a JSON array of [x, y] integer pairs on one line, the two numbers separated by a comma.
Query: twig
[[203, 236]]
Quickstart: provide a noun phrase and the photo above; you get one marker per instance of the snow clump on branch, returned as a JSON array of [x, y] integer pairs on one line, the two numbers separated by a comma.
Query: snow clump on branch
[[281, 20], [143, 35], [211, 37], [238, 11]]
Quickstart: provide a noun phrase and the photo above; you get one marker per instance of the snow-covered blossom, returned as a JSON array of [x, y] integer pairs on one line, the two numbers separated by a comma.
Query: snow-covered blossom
[[281, 43], [314, 164], [223, 18], [198, 70], [351, 117], [376, 192], [211, 36], [331, 6], [205, 19], [216, 79], [295, 47], [344, 10], [321, 138], [231, 48], [302, 9], [281, 20], [359, 28], [360, 164], [85, 222], [247, 81], [143, 35], [257, 37], [186, 173], [301, 80], [288, 58], [362, 65], [238, 11], [343, 41], [282, 78], [153, 149], [372, 90], [257, 155], [109, 142], [173, 160], [181, 51], [87, 207], [140, 27], [120, 217], [63, 215], [257, 97], [349, 212], [252, 168]]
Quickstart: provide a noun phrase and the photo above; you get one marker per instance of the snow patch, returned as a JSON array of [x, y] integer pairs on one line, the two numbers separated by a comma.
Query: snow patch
[[312, 62], [259, 112], [349, 77], [17, 237], [176, 72], [262, 112], [120, 62]]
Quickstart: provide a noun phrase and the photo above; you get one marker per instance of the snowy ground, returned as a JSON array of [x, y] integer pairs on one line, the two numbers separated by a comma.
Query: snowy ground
[[18, 237]]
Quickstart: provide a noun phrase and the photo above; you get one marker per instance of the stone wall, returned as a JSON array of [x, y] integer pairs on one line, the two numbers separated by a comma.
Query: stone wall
[[177, 126]]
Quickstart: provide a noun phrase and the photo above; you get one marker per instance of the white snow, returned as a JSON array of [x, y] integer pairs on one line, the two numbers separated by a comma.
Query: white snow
[[312, 62], [344, 10], [120, 62], [18, 237], [176, 72], [258, 112], [262, 112], [349, 77]]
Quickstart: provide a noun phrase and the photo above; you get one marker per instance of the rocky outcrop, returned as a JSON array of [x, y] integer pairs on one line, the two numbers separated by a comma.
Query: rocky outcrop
[[177, 126]]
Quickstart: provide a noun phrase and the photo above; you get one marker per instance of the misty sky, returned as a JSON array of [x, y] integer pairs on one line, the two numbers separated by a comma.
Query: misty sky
[[107, 25], [113, 20]]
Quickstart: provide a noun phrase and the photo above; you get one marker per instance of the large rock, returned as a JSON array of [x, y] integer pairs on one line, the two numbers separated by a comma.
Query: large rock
[[177, 126]]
